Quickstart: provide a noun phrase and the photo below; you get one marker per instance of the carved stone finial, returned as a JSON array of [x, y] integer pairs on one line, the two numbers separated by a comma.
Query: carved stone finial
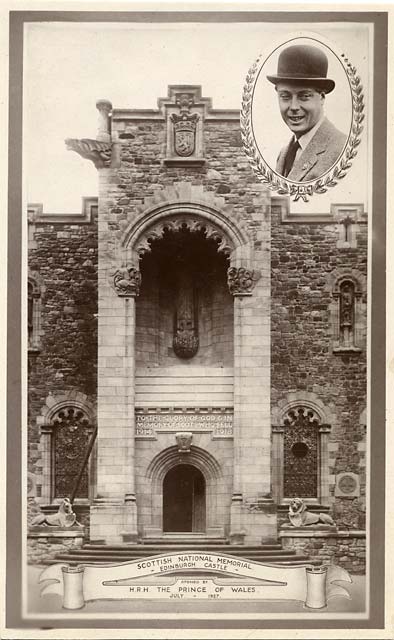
[[95, 150], [104, 105], [184, 101], [127, 282], [184, 440], [241, 281]]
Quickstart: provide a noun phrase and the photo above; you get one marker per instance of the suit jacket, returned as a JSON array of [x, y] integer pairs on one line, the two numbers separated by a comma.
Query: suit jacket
[[319, 156]]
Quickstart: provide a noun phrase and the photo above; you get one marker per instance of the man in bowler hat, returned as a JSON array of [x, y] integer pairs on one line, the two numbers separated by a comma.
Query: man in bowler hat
[[302, 84]]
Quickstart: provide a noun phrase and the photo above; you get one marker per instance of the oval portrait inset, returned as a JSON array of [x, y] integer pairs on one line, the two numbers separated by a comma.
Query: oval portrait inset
[[302, 114]]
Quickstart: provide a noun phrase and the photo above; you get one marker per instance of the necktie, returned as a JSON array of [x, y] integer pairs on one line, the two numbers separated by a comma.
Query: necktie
[[290, 156]]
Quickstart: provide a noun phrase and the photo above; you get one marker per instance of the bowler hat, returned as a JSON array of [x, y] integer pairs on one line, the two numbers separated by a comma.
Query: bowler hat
[[303, 63]]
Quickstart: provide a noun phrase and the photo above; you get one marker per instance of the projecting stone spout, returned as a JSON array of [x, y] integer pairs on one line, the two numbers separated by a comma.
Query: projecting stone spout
[[98, 152]]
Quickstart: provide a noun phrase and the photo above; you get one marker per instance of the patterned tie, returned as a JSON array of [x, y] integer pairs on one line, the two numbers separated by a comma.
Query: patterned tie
[[290, 156]]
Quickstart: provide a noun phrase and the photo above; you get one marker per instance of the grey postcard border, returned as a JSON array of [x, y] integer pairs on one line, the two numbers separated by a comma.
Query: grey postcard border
[[378, 320]]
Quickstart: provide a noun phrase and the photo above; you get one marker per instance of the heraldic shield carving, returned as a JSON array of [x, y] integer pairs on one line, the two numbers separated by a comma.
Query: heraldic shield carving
[[185, 126]]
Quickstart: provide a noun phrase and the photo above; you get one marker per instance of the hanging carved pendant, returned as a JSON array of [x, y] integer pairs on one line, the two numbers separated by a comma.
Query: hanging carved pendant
[[186, 340]]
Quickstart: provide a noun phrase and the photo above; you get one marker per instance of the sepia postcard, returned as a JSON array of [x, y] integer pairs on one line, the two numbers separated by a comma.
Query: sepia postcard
[[197, 212]]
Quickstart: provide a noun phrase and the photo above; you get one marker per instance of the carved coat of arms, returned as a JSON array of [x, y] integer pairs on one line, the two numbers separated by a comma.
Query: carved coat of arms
[[184, 134]]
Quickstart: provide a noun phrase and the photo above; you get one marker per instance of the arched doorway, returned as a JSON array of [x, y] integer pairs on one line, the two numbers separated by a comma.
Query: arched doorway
[[184, 499]]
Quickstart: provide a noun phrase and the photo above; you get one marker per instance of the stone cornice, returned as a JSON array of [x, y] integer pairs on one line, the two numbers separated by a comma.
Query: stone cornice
[[282, 203], [153, 114], [86, 216]]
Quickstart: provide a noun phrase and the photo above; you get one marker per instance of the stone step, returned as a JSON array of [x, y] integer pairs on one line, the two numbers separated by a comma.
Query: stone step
[[135, 554], [182, 540], [124, 557], [94, 553], [141, 551], [169, 544], [287, 560]]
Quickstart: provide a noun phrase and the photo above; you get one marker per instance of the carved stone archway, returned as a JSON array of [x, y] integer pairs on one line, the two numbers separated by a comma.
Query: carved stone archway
[[186, 204], [323, 419], [211, 470], [64, 409]]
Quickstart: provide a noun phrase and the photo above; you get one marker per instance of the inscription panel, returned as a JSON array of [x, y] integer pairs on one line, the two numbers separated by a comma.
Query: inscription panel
[[217, 421]]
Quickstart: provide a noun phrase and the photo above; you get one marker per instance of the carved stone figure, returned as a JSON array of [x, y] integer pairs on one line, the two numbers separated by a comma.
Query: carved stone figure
[[346, 313], [64, 517], [299, 515], [184, 440], [127, 281], [347, 304]]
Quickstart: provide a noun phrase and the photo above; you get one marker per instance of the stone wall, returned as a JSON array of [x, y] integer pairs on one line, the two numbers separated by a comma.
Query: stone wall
[[304, 258], [63, 258], [45, 543], [218, 194], [344, 548]]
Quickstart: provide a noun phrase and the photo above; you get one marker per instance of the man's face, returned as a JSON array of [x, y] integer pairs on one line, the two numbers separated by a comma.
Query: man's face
[[301, 107]]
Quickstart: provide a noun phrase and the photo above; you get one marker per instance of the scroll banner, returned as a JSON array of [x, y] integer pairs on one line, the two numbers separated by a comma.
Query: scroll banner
[[156, 578]]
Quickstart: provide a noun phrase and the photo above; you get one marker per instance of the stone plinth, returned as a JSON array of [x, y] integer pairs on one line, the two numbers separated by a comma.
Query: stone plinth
[[344, 548], [45, 543]]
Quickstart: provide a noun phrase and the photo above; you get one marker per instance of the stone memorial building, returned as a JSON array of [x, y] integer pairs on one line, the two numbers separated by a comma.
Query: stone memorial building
[[197, 352]]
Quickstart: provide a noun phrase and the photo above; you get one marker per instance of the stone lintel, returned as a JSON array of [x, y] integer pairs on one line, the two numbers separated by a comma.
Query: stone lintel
[[214, 115], [184, 162]]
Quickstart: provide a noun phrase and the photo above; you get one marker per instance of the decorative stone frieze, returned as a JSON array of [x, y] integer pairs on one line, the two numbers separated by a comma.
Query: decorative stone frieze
[[241, 281], [126, 281], [95, 150], [176, 223]]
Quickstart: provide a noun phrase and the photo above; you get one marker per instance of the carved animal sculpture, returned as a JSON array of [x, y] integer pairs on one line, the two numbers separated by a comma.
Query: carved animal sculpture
[[299, 515], [64, 517]]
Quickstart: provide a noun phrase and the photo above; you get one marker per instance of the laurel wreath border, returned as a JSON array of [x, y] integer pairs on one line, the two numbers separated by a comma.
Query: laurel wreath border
[[321, 185]]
